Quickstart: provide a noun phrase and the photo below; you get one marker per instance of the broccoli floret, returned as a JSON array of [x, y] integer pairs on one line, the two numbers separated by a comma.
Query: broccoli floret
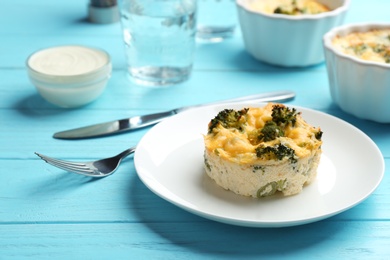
[[270, 188], [270, 132], [207, 164], [290, 10], [359, 48], [228, 118], [257, 168], [277, 152], [283, 116], [318, 135]]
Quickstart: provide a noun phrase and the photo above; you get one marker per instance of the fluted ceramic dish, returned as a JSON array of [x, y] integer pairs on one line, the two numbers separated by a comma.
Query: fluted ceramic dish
[[286, 40], [359, 87]]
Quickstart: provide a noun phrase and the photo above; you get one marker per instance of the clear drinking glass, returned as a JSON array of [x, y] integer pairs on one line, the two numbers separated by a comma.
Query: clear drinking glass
[[217, 20], [159, 37]]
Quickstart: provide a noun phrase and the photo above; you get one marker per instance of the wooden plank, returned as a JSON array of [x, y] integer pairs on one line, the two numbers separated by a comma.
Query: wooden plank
[[29, 121], [204, 86], [200, 240], [48, 194]]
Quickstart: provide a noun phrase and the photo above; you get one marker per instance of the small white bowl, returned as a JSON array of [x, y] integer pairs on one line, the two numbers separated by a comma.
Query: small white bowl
[[287, 40], [357, 86], [69, 76]]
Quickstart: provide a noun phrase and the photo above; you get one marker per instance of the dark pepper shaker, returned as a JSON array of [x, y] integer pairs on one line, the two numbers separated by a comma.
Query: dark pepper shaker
[[103, 11]]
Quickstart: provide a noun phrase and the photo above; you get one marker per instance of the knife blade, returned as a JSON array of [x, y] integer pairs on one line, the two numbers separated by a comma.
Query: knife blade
[[136, 122]]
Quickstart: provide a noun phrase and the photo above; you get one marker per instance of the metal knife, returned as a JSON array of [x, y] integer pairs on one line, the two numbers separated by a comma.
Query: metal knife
[[136, 122]]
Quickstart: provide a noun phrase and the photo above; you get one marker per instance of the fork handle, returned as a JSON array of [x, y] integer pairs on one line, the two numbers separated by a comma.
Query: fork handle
[[126, 152]]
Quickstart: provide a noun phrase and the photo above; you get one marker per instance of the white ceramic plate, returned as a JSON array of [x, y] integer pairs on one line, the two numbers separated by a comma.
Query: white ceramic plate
[[169, 161]]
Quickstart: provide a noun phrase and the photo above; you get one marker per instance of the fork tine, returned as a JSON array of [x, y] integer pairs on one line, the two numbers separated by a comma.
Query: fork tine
[[99, 168], [71, 167], [67, 166], [54, 160], [68, 169]]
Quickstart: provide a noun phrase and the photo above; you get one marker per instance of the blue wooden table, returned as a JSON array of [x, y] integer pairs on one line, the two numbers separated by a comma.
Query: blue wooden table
[[46, 213]]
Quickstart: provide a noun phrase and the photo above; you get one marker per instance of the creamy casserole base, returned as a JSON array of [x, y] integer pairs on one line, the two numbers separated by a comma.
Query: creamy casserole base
[[240, 159], [373, 45], [288, 7]]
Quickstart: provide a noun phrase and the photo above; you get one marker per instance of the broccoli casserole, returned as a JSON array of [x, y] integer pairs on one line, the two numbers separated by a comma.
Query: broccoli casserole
[[373, 45], [259, 151], [289, 7]]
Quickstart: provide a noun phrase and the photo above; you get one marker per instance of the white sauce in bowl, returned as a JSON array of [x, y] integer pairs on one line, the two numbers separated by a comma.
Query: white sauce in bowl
[[69, 76], [67, 60]]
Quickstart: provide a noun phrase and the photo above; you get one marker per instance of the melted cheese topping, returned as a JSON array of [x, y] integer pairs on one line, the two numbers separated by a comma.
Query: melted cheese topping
[[235, 145], [372, 45], [289, 7]]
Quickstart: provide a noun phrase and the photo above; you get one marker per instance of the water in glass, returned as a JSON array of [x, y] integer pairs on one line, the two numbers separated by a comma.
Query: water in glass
[[159, 40]]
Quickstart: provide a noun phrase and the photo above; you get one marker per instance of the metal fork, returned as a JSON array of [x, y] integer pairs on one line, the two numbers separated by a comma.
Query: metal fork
[[99, 168]]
